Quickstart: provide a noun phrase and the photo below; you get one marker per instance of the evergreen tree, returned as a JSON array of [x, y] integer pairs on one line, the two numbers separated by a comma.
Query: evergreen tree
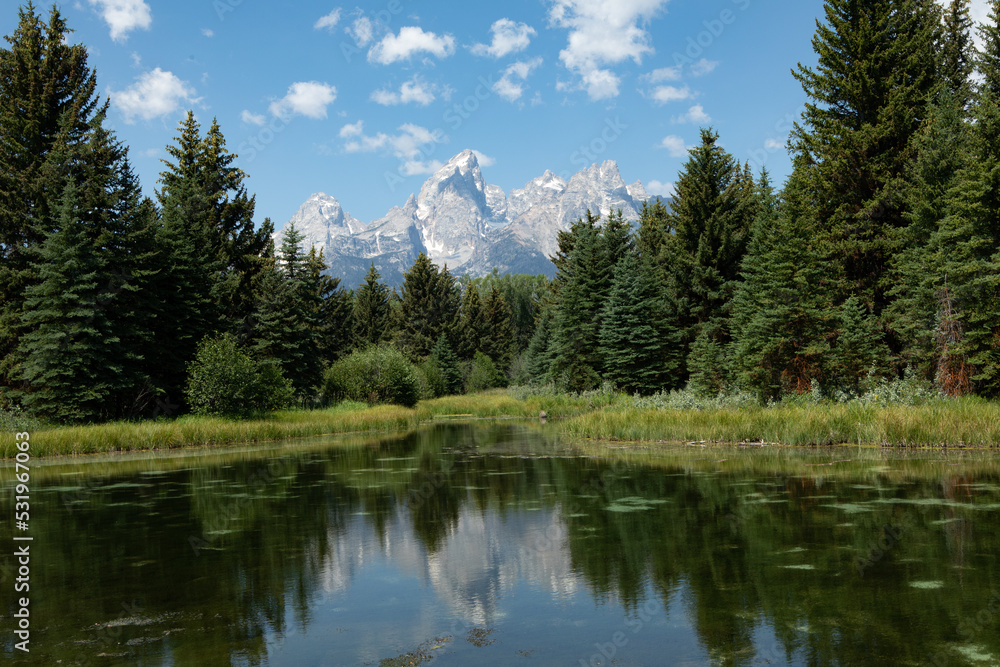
[[639, 346], [471, 322], [783, 310], [711, 219], [858, 350], [447, 363], [582, 283], [333, 310], [868, 97], [957, 57], [943, 149], [286, 316], [429, 307], [498, 341], [654, 229], [201, 175], [48, 95], [72, 361], [538, 355], [371, 314]]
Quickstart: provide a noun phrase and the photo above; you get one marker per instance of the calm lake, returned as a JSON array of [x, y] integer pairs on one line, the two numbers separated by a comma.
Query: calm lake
[[498, 543]]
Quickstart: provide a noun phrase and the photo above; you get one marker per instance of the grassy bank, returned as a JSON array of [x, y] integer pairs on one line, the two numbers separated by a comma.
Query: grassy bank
[[940, 423], [208, 431], [596, 416]]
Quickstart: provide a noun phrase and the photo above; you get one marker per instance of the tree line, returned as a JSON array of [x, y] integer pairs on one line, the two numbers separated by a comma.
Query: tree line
[[877, 258]]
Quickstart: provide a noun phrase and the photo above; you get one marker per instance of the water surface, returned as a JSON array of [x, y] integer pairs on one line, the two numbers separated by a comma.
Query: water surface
[[500, 544]]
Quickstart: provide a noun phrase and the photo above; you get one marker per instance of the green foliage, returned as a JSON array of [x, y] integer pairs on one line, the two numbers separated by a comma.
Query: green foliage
[[868, 95], [286, 318], [712, 214], [639, 345], [581, 287], [378, 374], [709, 362], [429, 307], [783, 309], [484, 374], [498, 342], [49, 107], [859, 349], [447, 366], [371, 312], [225, 380]]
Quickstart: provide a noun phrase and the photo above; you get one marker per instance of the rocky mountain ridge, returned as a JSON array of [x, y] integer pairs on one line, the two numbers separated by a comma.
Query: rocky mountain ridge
[[460, 221]]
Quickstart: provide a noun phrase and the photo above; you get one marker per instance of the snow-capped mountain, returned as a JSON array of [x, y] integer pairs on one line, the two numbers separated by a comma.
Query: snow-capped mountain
[[460, 221]]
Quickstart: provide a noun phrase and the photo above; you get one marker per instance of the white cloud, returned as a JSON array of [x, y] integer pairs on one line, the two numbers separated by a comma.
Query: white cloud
[[508, 37], [667, 94], [665, 190], [352, 130], [774, 145], [361, 31], [664, 74], [329, 22], [510, 86], [484, 160], [153, 94], [601, 33], [704, 66], [307, 98], [695, 114], [251, 118], [409, 145], [675, 146], [208, 32], [124, 16], [414, 91], [411, 40]]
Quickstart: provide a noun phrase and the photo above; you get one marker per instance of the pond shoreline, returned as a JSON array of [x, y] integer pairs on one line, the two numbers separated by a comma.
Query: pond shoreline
[[949, 424]]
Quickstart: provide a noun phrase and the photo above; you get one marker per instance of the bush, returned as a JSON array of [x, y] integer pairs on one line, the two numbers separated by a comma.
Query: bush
[[484, 374], [225, 380], [376, 375]]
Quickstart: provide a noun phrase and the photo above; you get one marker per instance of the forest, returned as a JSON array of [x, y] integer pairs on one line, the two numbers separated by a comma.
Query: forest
[[876, 261]]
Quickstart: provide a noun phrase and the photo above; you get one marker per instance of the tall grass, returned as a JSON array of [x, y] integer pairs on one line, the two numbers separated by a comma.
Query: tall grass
[[201, 431], [947, 423]]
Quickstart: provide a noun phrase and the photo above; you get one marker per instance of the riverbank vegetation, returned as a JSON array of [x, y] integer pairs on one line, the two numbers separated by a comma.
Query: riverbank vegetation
[[679, 417]]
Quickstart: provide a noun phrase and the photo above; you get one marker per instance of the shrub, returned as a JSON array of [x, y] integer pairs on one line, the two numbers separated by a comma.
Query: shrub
[[484, 374], [224, 380], [376, 375]]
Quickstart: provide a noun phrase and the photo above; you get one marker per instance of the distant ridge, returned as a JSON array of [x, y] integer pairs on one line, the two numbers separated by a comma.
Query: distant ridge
[[459, 220]]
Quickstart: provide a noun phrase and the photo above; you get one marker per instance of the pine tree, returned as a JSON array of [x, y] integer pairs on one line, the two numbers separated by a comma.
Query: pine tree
[[201, 173], [868, 97], [371, 313], [471, 322], [654, 229], [711, 218], [582, 283], [956, 54], [429, 307], [943, 149], [538, 355], [286, 323], [640, 348], [498, 341], [71, 349], [48, 95], [447, 362], [333, 310], [783, 309]]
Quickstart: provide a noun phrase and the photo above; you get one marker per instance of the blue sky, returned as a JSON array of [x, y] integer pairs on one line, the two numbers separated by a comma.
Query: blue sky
[[363, 101]]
